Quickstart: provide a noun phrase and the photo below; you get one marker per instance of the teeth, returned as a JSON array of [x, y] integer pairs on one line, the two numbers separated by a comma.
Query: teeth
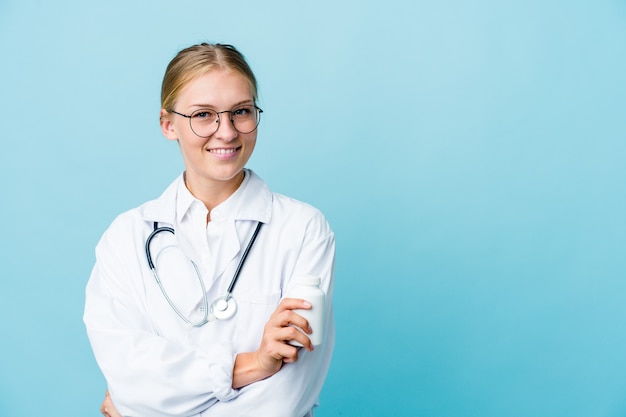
[[222, 151]]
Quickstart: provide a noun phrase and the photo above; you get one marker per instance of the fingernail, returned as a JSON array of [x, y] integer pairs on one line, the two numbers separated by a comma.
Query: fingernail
[[306, 304]]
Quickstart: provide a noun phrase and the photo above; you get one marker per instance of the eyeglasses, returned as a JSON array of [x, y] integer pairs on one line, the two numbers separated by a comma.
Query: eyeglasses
[[205, 122]]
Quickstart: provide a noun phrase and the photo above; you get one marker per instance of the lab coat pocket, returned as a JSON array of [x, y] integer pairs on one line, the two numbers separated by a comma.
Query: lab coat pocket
[[255, 310]]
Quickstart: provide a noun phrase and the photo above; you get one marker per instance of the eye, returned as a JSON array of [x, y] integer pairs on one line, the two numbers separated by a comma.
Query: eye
[[204, 115], [243, 112]]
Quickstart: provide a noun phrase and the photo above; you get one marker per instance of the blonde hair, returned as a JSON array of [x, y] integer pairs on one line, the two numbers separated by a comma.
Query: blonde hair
[[198, 60]]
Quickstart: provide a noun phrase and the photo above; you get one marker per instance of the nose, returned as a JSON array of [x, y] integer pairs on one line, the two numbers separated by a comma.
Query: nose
[[225, 129]]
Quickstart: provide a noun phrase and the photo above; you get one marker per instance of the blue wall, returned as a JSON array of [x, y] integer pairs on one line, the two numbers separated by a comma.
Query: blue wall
[[469, 155]]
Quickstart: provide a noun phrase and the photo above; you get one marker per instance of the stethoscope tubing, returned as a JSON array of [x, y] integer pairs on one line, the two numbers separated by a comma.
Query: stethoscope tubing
[[205, 302], [156, 231], [243, 259]]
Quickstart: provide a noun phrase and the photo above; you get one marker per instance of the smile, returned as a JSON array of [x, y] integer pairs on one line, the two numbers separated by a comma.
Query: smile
[[222, 151]]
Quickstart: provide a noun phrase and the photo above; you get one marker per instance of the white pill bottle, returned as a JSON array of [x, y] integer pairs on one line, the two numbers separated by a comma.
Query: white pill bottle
[[307, 287]]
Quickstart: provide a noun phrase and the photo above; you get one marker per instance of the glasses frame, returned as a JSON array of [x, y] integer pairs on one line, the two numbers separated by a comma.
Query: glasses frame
[[218, 120]]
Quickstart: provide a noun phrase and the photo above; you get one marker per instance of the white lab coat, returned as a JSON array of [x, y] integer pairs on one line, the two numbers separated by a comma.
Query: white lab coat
[[155, 364]]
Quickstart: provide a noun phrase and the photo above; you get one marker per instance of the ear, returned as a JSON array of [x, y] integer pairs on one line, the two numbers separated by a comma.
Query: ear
[[167, 125]]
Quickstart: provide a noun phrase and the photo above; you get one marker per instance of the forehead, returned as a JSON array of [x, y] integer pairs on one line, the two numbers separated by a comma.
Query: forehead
[[218, 86]]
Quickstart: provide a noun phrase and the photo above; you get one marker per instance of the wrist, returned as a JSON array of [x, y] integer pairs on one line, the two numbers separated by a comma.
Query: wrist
[[249, 368]]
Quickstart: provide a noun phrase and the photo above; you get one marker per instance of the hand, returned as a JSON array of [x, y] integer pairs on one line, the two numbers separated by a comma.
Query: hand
[[107, 408], [274, 349]]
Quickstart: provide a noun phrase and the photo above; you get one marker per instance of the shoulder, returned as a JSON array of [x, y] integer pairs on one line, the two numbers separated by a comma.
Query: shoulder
[[123, 229], [299, 214], [281, 210], [139, 219], [285, 203]]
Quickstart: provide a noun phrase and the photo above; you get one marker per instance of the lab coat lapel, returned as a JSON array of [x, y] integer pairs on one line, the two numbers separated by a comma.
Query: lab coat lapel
[[254, 206], [163, 209]]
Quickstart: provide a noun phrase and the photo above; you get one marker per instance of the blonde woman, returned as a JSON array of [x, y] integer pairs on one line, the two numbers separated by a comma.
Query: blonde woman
[[186, 307]]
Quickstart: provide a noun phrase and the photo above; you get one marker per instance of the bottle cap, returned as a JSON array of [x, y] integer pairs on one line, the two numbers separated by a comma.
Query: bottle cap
[[308, 280]]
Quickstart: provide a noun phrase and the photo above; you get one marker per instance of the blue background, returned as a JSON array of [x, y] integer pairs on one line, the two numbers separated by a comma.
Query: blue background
[[469, 155]]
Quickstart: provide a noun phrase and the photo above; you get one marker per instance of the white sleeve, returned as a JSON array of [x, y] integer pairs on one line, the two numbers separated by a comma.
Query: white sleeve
[[146, 374], [294, 390]]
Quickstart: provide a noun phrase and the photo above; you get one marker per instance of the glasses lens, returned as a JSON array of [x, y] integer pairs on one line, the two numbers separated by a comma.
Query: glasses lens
[[245, 119], [204, 122]]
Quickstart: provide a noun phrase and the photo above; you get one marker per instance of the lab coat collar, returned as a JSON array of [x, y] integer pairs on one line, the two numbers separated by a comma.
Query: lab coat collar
[[255, 204]]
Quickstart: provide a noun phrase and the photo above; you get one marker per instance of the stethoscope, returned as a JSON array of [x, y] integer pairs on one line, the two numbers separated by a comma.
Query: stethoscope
[[222, 308]]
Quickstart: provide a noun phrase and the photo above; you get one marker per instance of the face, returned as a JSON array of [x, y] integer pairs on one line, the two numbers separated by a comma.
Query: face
[[218, 160]]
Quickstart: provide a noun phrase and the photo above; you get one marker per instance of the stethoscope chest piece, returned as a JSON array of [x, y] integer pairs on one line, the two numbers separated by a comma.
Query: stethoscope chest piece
[[223, 308]]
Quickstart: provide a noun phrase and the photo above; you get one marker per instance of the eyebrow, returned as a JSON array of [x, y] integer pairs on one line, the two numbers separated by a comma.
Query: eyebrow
[[240, 103]]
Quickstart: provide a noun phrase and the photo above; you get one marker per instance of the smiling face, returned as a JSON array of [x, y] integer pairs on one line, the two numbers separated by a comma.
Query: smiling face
[[215, 163]]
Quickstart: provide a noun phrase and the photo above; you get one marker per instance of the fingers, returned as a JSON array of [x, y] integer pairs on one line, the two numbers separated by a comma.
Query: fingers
[[285, 336], [103, 407], [284, 326], [274, 351], [293, 304], [285, 316], [107, 408]]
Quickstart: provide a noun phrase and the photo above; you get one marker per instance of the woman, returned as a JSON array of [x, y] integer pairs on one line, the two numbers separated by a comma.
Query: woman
[[164, 346]]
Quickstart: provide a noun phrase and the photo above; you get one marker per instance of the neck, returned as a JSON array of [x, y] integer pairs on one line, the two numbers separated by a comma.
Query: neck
[[213, 193]]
